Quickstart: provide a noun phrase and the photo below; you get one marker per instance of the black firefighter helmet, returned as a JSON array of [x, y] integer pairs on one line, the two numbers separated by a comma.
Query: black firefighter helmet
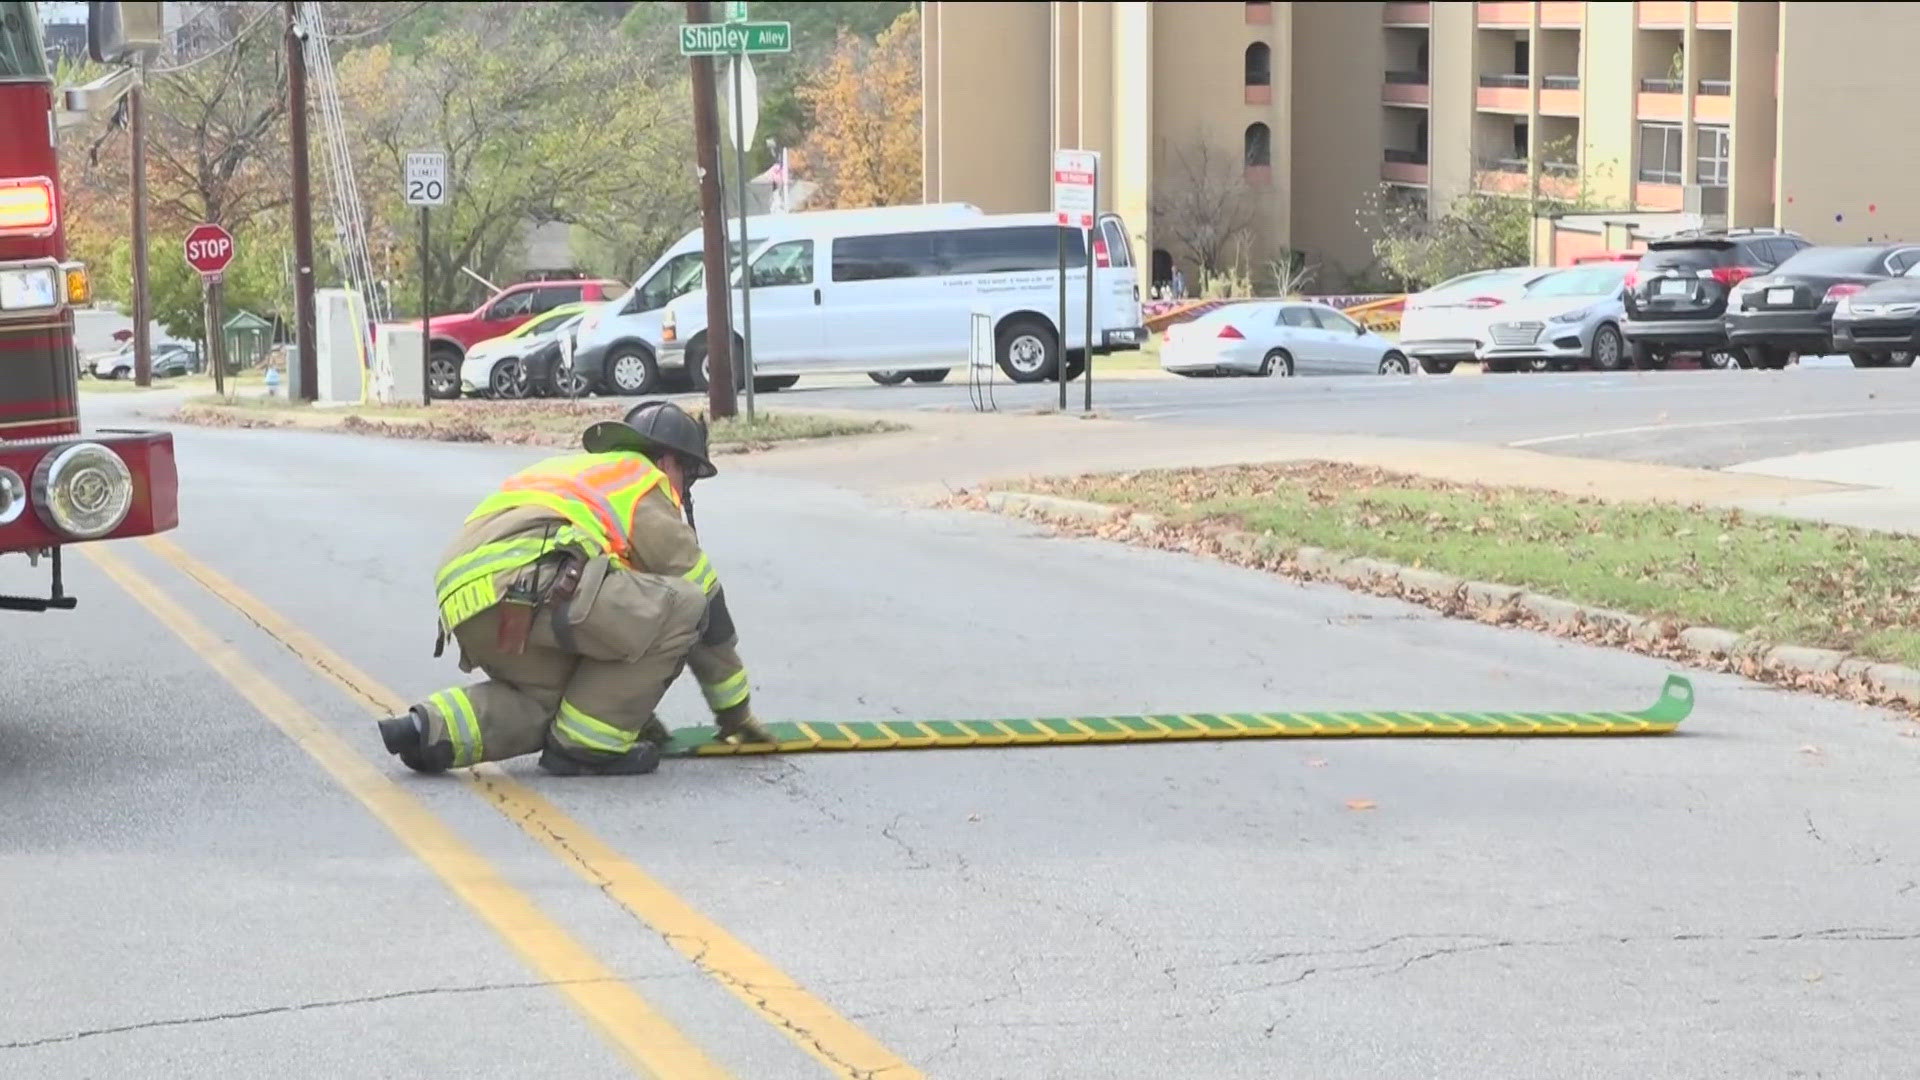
[[652, 428]]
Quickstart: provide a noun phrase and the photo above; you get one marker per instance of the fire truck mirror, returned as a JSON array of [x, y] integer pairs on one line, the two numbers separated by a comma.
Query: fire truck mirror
[[123, 33]]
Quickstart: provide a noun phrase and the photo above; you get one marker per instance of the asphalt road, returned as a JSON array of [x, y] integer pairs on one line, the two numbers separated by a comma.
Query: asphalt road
[[191, 889], [1698, 418]]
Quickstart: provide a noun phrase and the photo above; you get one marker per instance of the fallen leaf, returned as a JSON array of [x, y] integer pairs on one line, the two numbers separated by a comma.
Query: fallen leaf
[[1317, 763], [973, 817], [1360, 804], [1810, 750]]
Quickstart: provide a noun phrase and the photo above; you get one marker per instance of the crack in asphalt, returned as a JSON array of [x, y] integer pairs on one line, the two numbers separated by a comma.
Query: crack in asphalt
[[296, 1007], [915, 861]]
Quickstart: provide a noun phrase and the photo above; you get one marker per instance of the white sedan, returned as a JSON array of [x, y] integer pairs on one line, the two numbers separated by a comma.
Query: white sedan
[[1278, 337]]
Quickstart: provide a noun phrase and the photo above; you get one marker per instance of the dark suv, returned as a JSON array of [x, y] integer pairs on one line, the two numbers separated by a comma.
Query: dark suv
[[1677, 296]]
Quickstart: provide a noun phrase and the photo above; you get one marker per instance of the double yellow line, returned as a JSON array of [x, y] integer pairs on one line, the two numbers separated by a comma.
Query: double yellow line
[[647, 1040]]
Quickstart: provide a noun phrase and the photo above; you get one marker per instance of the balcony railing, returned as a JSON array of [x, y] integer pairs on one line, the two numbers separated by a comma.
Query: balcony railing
[[1663, 86], [1407, 78], [1560, 82], [1406, 157], [1509, 165], [1716, 87], [1507, 81], [1659, 176], [1561, 168]]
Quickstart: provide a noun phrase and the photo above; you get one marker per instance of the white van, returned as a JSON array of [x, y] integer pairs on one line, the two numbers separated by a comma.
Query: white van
[[619, 344], [889, 293]]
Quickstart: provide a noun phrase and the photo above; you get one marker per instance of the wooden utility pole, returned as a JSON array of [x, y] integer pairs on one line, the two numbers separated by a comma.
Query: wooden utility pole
[[304, 321], [713, 227], [142, 306]]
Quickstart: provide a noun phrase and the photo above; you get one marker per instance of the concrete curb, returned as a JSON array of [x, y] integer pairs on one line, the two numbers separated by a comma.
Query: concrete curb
[[1707, 644]]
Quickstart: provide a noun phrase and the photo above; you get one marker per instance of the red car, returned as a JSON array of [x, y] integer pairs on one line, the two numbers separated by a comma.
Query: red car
[[505, 310]]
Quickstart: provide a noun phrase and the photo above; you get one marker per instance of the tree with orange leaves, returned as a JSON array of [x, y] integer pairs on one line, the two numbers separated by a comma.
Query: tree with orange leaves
[[863, 145]]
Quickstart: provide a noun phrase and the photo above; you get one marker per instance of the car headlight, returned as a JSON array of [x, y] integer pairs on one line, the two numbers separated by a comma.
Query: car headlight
[[13, 496], [29, 288], [1577, 315], [83, 490]]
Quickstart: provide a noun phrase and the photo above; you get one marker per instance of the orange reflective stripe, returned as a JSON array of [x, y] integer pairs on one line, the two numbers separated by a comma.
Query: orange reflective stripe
[[595, 503]]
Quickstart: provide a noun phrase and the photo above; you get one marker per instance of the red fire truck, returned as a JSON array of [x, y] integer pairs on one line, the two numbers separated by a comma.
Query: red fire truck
[[59, 484]]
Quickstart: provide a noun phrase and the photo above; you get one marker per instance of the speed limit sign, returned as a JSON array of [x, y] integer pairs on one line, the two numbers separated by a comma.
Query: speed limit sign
[[426, 179]]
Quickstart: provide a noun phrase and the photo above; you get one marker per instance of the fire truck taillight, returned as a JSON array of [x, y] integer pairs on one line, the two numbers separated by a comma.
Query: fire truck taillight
[[84, 490], [13, 496], [27, 206]]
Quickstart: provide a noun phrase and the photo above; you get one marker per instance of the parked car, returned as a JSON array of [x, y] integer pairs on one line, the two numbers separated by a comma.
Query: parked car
[[1278, 338], [1677, 294], [170, 360], [1879, 326], [1566, 319], [492, 367], [1445, 325], [1790, 310], [453, 335]]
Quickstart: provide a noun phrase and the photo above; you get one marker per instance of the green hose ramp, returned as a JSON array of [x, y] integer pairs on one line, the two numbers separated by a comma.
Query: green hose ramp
[[1675, 703]]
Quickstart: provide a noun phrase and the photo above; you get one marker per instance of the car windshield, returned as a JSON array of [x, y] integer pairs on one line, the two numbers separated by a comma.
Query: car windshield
[[1477, 280], [550, 321], [1604, 280]]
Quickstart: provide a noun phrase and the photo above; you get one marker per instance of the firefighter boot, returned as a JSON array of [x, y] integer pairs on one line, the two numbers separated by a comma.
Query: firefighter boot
[[656, 732], [558, 761], [403, 736]]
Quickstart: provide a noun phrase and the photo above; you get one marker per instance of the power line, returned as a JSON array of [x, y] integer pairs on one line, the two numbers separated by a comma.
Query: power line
[[380, 29], [237, 38]]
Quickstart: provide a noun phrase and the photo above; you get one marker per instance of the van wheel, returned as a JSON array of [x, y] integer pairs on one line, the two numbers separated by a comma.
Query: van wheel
[[1436, 367], [888, 378], [631, 370], [933, 376], [1647, 358], [1862, 358], [1027, 350], [697, 364], [768, 384]]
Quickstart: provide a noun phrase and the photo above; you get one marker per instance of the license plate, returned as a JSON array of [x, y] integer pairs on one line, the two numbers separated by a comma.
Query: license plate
[[1780, 296], [1675, 287]]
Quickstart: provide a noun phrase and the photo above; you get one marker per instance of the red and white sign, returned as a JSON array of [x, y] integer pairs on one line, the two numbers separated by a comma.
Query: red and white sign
[[209, 249], [1074, 173]]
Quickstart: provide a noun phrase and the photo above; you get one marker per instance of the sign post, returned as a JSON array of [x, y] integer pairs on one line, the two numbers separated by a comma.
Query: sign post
[[1093, 231], [739, 39], [745, 104], [426, 187], [1073, 207], [209, 248]]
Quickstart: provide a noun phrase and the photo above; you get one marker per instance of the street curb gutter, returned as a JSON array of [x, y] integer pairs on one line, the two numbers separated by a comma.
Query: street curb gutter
[[1801, 667]]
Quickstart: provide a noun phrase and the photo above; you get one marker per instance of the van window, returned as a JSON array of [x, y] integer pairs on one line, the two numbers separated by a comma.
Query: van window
[[1118, 251], [1004, 250], [790, 263], [552, 296], [1011, 250], [676, 277]]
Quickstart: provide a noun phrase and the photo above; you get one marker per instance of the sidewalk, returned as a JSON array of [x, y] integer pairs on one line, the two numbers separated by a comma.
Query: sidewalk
[[946, 451]]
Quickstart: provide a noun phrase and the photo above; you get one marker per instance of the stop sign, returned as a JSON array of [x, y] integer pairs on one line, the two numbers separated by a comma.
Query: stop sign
[[209, 248]]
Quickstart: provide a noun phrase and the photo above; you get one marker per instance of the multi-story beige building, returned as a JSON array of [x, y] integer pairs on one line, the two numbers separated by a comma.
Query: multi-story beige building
[[1287, 117]]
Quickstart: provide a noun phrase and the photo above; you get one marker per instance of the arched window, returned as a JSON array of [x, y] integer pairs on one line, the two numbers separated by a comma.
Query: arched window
[[1259, 64], [1259, 146]]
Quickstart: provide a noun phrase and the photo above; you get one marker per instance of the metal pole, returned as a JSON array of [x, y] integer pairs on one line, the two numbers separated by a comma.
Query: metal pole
[[302, 210], [1060, 360], [740, 180], [207, 317], [216, 333], [706, 138], [142, 305], [1087, 373], [426, 310]]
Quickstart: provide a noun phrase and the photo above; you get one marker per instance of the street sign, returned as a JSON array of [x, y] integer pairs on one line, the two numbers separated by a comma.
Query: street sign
[[426, 179], [1073, 179], [736, 11], [743, 102], [725, 39], [209, 249]]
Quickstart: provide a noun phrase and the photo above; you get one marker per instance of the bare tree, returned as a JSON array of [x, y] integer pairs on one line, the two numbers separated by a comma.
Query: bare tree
[[1204, 207]]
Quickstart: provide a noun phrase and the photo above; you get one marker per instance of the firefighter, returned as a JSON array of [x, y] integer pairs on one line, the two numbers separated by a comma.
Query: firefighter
[[580, 589]]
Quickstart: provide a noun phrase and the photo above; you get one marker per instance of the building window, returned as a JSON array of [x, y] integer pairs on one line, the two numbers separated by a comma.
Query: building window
[[1712, 144], [1259, 64], [1660, 153], [1259, 146]]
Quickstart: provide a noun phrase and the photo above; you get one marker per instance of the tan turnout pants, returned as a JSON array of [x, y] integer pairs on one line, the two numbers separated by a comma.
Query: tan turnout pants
[[593, 680]]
